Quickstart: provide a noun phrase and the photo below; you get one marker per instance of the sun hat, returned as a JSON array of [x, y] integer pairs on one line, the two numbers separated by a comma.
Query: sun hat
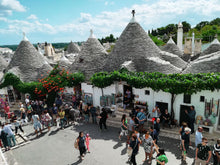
[[187, 129]]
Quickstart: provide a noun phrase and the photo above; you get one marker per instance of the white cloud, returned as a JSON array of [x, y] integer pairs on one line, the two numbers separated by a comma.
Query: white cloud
[[8, 6], [32, 16], [109, 3], [149, 15]]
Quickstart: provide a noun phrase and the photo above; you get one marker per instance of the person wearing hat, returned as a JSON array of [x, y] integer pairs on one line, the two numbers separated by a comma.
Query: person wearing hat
[[185, 142]]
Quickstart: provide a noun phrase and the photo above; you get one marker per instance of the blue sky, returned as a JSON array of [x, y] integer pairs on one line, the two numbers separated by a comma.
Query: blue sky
[[66, 20]]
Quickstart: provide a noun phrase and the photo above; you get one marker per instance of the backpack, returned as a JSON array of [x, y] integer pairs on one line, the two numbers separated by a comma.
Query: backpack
[[76, 143]]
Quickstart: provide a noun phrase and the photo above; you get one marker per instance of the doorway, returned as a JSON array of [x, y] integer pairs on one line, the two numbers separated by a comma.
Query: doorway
[[162, 106], [183, 116]]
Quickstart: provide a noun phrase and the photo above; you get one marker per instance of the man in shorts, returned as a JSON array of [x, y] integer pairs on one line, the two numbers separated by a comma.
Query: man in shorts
[[36, 120], [131, 128]]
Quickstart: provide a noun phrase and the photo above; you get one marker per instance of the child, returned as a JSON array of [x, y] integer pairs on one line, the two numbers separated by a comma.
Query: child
[[88, 138]]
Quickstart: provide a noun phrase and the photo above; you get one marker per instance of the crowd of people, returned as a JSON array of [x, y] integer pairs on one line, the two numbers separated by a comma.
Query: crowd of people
[[60, 114]]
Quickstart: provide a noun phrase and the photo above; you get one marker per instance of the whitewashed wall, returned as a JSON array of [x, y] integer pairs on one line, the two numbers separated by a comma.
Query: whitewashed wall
[[195, 100]]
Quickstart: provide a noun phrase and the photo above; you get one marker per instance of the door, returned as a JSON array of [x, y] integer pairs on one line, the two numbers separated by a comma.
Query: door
[[128, 91], [162, 106], [183, 116]]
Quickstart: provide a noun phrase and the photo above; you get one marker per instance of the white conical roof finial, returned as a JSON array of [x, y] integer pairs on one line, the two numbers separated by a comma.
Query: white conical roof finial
[[91, 34], [133, 17], [171, 41], [24, 37]]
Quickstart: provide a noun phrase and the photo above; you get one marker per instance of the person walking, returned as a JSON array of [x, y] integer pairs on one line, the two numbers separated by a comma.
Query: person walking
[[3, 137], [23, 116], [29, 112], [191, 118], [46, 119], [134, 145], [198, 136], [93, 113], [185, 142], [161, 157], [81, 145], [203, 153], [54, 113], [181, 131], [148, 146], [141, 117], [103, 117], [216, 153], [88, 138], [17, 124], [131, 128], [10, 137], [36, 122], [124, 126], [154, 135], [61, 114]]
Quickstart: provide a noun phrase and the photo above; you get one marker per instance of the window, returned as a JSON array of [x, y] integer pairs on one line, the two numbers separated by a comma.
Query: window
[[187, 99], [202, 98], [147, 92]]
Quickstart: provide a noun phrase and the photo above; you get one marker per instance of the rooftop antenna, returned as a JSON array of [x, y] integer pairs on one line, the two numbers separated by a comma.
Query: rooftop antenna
[[133, 16], [24, 37]]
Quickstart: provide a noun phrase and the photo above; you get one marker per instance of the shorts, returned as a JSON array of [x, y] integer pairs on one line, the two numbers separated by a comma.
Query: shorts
[[124, 132], [37, 125]]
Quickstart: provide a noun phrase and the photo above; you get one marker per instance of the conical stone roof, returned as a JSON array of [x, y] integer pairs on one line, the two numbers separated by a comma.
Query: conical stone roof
[[64, 62], [27, 63], [134, 43], [213, 47], [73, 48], [205, 64], [90, 59], [171, 47], [3, 64]]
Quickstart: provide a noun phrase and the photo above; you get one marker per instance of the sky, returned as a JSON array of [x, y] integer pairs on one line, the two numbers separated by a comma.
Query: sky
[[71, 20]]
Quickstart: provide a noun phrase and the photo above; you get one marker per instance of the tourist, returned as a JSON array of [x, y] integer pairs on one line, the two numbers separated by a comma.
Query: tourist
[[125, 102], [137, 134], [7, 111], [23, 116], [86, 114], [103, 117], [46, 118], [29, 112], [157, 125], [3, 137], [134, 145], [58, 102], [181, 131], [88, 138], [155, 112], [191, 118], [80, 107], [198, 136], [154, 135], [131, 128], [54, 113], [216, 153], [93, 112], [148, 146], [203, 153], [128, 93], [124, 126], [166, 118], [74, 101], [10, 137], [141, 117], [161, 156], [27, 100], [21, 105], [61, 115], [185, 142], [36, 122], [81, 145], [17, 124]]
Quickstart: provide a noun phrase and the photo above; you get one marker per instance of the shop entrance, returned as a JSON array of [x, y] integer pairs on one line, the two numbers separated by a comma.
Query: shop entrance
[[162, 106], [128, 91], [183, 116]]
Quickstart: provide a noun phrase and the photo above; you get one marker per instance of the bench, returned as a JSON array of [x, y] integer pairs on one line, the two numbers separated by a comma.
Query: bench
[[209, 128]]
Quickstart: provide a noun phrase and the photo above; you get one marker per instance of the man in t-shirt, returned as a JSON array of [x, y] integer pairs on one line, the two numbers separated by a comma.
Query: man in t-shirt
[[141, 119], [203, 153], [8, 129], [216, 153], [185, 142], [131, 128], [198, 136], [191, 118], [36, 120], [125, 101], [154, 135]]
